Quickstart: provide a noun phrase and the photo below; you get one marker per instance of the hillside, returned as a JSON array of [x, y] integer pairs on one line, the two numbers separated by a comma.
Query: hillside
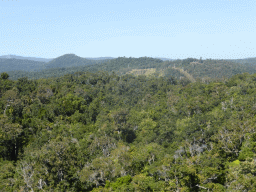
[[206, 69], [189, 69], [71, 60], [250, 61], [20, 64], [75, 64], [25, 58], [186, 74]]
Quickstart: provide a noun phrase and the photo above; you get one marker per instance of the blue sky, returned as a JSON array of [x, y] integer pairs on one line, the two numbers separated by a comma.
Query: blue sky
[[218, 29]]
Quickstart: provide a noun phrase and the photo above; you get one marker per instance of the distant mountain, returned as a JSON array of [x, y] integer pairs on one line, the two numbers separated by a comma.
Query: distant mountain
[[71, 60], [249, 61], [20, 64], [47, 60], [29, 64], [25, 58]]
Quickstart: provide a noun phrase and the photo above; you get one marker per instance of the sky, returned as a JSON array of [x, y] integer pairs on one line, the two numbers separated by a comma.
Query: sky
[[176, 29]]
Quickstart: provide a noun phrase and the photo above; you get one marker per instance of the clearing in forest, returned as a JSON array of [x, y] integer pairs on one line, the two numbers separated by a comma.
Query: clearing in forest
[[185, 73], [146, 72]]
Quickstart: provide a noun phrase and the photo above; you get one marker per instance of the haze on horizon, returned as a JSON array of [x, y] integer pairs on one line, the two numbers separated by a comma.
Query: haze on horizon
[[220, 29]]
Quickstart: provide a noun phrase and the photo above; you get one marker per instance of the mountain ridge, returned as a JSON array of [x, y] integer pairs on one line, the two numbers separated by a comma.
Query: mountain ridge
[[25, 58]]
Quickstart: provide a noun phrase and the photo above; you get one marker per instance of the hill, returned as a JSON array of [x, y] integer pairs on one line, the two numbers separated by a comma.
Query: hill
[[189, 69], [72, 60], [251, 61], [201, 70], [69, 60], [25, 58], [20, 64], [206, 69], [70, 64]]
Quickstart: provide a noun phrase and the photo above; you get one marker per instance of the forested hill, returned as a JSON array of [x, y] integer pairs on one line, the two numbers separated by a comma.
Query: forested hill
[[200, 70], [124, 65], [20, 64], [24, 58], [102, 132], [48, 60], [250, 61], [119, 65], [64, 61], [207, 69], [71, 60]]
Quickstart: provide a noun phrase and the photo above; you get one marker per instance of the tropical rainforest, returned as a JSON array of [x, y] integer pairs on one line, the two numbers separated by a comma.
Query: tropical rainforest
[[129, 124]]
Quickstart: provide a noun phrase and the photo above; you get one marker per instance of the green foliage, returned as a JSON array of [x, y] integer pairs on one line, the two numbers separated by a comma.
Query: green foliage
[[105, 132], [25, 86], [4, 76], [7, 171], [120, 183]]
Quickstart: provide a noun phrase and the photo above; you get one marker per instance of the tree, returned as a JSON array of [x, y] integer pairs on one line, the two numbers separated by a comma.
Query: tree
[[53, 167], [7, 171], [4, 75]]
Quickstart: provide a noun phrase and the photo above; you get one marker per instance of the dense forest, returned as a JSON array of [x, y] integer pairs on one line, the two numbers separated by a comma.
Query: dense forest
[[186, 125]]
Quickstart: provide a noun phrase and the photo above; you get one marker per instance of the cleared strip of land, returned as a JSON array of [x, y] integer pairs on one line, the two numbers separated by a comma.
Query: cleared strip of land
[[190, 77], [143, 71]]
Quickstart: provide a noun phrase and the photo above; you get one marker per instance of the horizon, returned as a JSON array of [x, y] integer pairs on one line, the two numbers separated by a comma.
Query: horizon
[[123, 56], [222, 29]]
